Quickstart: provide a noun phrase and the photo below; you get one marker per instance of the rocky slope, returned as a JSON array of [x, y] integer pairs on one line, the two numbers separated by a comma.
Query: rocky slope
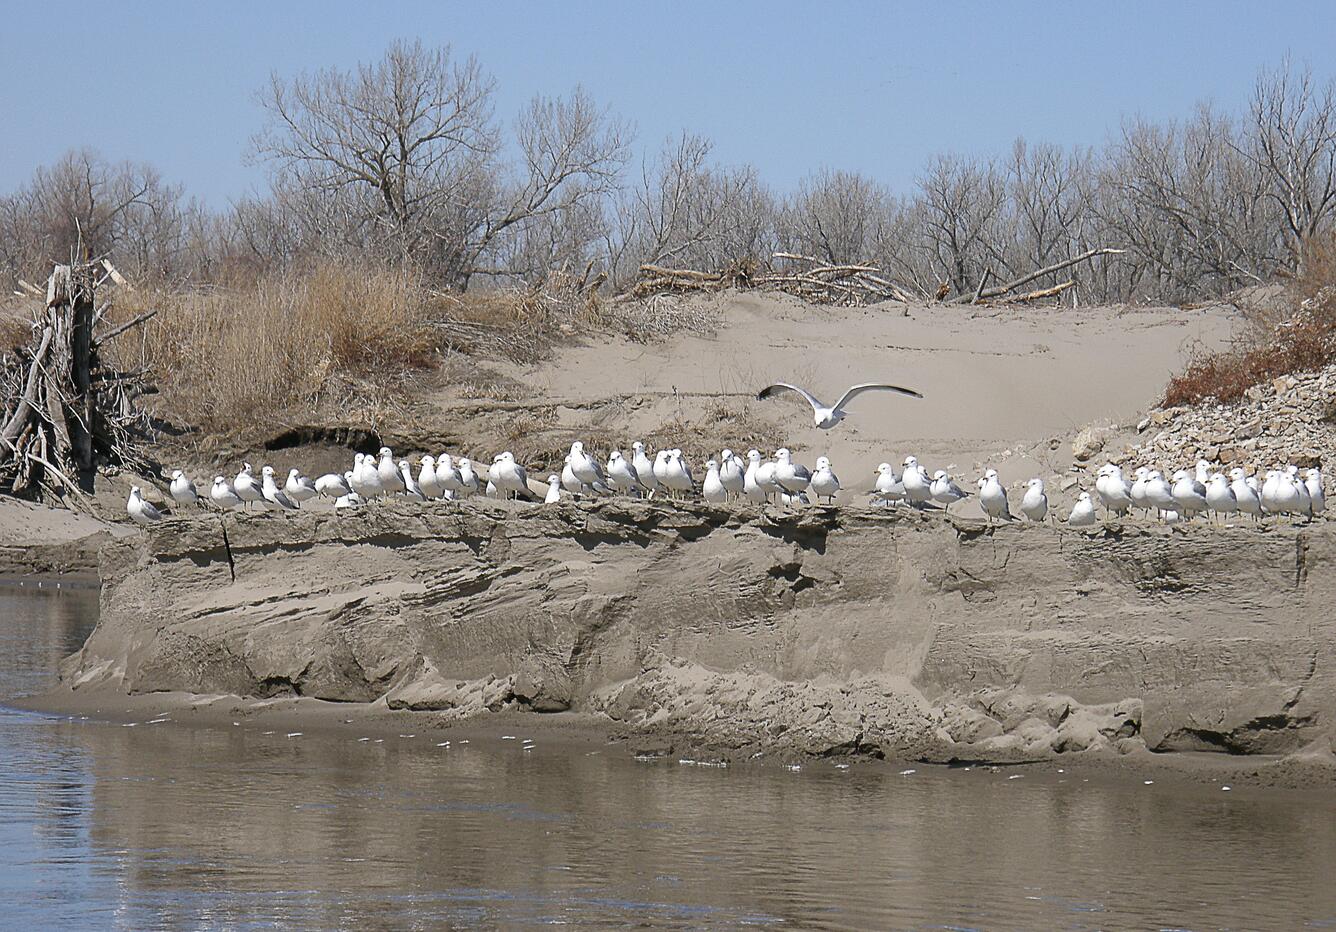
[[824, 631]]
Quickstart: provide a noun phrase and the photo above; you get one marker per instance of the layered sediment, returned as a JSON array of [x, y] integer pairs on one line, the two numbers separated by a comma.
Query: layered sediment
[[814, 632]]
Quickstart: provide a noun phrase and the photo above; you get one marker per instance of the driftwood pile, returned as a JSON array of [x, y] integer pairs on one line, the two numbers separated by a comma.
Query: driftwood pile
[[856, 285], [65, 410]]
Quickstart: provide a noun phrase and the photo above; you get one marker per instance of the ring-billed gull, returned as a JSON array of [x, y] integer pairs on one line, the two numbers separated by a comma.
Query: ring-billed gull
[[448, 476], [1245, 496], [469, 484], [1189, 494], [587, 469], [140, 511], [827, 416], [944, 489], [366, 477], [765, 478], [1220, 497], [182, 489], [993, 497], [222, 493], [1316, 494], [1114, 492], [678, 474], [623, 475], [510, 478], [792, 477], [1268, 493], [1083, 512], [1305, 501], [888, 487], [273, 494], [299, 488], [918, 486], [569, 481], [390, 479], [410, 484], [247, 489], [824, 481], [1034, 504], [732, 473], [333, 485], [427, 482], [553, 490], [645, 468], [1137, 492], [712, 490], [750, 487], [1158, 492]]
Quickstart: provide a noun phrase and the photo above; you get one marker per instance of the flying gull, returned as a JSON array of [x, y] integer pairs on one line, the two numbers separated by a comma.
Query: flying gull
[[827, 416]]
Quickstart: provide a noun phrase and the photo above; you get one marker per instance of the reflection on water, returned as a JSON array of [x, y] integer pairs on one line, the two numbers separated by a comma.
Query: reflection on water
[[165, 826]]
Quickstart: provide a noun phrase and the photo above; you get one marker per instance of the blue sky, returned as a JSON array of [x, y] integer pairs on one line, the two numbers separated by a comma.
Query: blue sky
[[789, 87]]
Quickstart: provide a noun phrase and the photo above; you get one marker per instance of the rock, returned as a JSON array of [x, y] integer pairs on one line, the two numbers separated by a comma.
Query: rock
[[1089, 442]]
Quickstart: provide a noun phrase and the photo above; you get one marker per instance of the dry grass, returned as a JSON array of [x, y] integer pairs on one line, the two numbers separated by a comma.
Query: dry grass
[[15, 324], [1302, 338], [228, 359]]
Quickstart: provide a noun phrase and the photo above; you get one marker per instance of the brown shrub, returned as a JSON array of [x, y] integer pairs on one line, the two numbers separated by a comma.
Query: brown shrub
[[1300, 339], [227, 359]]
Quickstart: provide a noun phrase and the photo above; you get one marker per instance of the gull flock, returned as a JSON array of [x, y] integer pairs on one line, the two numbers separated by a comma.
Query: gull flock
[[1186, 495]]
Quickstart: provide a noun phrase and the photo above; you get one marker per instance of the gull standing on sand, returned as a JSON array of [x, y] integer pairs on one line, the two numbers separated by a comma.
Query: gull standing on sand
[[299, 488], [732, 474], [1305, 501], [366, 477], [793, 477], [1083, 512], [918, 487], [182, 489], [1316, 494], [713, 490], [469, 483], [659, 470], [889, 488], [1034, 505], [944, 489], [587, 469], [765, 479], [1189, 494], [247, 489], [678, 474], [1220, 497], [622, 475], [824, 481], [411, 488], [273, 494], [645, 468], [332, 485], [750, 487], [1158, 492], [447, 476], [993, 497], [553, 490], [223, 495], [1268, 493], [827, 416], [1113, 490], [510, 478], [1137, 492], [568, 480], [390, 479], [1245, 496], [140, 511], [427, 482]]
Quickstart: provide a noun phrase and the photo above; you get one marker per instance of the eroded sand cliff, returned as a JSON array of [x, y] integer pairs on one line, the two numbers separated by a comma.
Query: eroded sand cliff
[[814, 632]]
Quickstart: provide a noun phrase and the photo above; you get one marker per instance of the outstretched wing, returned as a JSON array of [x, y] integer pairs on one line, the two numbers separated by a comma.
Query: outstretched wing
[[771, 390], [872, 387]]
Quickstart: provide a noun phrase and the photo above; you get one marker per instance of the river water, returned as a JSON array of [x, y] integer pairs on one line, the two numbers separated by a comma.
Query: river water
[[163, 826]]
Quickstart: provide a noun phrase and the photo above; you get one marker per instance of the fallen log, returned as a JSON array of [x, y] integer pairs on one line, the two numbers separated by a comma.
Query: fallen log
[[1043, 292], [999, 290]]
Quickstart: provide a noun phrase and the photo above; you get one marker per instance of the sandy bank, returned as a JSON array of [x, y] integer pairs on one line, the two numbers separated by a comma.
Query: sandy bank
[[827, 632]]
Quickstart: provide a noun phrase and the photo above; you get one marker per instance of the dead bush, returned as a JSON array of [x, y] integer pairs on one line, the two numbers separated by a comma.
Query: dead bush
[[1301, 338]]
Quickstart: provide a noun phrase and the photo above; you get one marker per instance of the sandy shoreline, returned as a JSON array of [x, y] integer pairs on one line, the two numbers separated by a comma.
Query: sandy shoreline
[[1312, 770]]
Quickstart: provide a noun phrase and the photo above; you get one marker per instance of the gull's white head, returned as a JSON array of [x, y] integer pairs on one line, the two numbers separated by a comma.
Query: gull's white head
[[246, 468], [427, 460], [219, 480], [1084, 496], [711, 464], [638, 446], [384, 452], [1180, 475], [294, 472], [910, 461], [1036, 483], [177, 474], [990, 474], [577, 447], [553, 478], [267, 472], [465, 462], [939, 474], [614, 456], [883, 469], [754, 456], [1142, 472], [662, 456], [726, 455], [823, 462]]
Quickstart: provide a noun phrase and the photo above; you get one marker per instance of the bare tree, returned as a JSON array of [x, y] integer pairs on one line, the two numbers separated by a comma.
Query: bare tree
[[1294, 142], [962, 203], [836, 217]]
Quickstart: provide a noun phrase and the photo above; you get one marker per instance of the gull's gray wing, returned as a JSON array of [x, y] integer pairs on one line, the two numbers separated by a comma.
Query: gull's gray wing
[[771, 390], [857, 390]]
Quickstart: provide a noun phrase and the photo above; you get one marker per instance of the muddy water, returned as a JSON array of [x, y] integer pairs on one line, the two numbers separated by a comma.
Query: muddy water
[[161, 826]]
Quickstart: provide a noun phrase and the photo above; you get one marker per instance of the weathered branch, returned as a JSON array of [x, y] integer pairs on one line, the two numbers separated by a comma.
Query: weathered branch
[[1039, 273], [121, 328]]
